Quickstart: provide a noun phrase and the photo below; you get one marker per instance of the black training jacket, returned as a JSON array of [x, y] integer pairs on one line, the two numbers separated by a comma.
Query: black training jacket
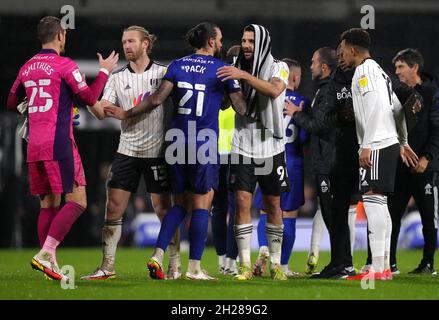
[[339, 115], [424, 137], [322, 137]]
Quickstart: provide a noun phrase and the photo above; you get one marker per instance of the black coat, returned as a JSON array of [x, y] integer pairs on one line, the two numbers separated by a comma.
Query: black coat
[[322, 137], [424, 137], [339, 115]]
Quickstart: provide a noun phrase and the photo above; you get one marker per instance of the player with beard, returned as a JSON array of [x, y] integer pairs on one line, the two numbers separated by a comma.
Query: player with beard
[[323, 62], [258, 147], [197, 94], [141, 148]]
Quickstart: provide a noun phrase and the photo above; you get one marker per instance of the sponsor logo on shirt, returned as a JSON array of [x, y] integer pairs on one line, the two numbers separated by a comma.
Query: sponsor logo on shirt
[[344, 94], [140, 98]]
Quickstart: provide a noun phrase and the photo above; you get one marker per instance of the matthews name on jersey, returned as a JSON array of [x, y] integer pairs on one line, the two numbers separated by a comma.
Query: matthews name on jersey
[[141, 136]]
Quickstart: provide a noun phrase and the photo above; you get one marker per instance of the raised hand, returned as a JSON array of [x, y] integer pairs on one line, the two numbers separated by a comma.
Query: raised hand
[[229, 72], [110, 62]]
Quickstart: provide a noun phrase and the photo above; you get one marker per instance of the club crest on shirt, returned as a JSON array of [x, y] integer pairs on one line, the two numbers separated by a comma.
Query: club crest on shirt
[[77, 75], [155, 82]]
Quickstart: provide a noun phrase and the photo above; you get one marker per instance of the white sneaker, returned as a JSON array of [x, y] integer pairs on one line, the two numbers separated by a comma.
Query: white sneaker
[[200, 275], [100, 274], [222, 264], [43, 262], [174, 273], [290, 274]]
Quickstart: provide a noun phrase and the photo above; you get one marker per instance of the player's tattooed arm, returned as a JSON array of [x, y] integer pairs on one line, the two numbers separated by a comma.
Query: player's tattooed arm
[[238, 102], [147, 105], [272, 88]]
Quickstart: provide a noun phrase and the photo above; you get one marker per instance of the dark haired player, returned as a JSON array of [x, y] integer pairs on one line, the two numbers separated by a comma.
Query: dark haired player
[[197, 93], [382, 136]]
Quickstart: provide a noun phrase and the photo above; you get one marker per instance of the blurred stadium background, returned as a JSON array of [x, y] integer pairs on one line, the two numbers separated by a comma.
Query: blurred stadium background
[[297, 29]]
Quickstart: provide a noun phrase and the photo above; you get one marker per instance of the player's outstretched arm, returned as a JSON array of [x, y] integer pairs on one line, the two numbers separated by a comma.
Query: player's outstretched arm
[[91, 94], [147, 105], [272, 88], [238, 102], [98, 109]]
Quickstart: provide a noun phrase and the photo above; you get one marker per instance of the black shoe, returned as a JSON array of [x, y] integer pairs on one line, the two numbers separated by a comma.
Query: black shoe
[[321, 274], [334, 273], [349, 271], [394, 269], [424, 269], [344, 272]]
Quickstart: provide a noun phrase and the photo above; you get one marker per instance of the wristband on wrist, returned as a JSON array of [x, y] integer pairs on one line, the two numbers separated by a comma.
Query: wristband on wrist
[[104, 71]]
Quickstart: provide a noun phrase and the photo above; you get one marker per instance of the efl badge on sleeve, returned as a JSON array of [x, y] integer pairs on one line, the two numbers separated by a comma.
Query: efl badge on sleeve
[[363, 81], [284, 75], [77, 75]]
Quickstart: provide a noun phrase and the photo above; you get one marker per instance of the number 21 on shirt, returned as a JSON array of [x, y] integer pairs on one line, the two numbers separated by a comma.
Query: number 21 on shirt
[[199, 89]]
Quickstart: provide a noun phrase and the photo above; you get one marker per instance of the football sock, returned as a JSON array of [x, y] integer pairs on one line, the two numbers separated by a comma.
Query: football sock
[[222, 262], [64, 220], [45, 219], [388, 236], [50, 246], [262, 235], [289, 237], [111, 233], [61, 225], [377, 223], [243, 234], [174, 250], [194, 266], [318, 228], [198, 233], [171, 221], [274, 236], [352, 217]]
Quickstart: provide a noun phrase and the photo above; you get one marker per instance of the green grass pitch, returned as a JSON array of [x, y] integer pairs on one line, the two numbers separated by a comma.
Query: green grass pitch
[[19, 281]]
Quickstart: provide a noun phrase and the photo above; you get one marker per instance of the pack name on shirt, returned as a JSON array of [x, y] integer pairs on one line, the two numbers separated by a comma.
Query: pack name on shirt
[[38, 66], [196, 68]]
